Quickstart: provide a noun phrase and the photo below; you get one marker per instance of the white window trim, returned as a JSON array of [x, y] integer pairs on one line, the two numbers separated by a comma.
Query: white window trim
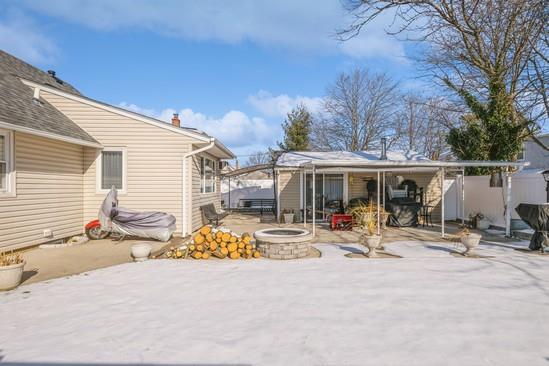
[[98, 164], [203, 176], [10, 190]]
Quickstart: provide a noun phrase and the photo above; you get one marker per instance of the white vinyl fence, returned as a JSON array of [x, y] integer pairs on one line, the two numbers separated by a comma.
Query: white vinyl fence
[[527, 186]]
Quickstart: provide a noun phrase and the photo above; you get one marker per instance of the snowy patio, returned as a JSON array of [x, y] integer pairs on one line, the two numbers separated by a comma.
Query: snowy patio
[[428, 308]]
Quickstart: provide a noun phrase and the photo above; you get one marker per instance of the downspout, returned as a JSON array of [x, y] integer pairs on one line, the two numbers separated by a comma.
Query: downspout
[[184, 228]]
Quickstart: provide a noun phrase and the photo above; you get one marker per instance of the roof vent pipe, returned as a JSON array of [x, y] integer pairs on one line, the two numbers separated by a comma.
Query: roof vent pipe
[[383, 149]]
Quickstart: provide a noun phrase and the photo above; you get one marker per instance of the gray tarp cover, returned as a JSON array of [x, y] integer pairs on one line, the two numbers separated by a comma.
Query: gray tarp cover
[[537, 216], [153, 225]]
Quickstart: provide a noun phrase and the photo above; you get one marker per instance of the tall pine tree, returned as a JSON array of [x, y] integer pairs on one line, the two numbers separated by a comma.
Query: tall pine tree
[[297, 129]]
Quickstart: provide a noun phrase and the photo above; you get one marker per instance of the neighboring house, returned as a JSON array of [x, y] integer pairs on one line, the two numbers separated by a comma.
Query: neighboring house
[[257, 184], [61, 151], [535, 154]]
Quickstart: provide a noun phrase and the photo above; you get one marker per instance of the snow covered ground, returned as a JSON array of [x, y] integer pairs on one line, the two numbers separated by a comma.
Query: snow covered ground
[[429, 308]]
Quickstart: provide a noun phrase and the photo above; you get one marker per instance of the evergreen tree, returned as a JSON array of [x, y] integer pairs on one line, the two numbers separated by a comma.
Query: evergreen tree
[[494, 131], [297, 129]]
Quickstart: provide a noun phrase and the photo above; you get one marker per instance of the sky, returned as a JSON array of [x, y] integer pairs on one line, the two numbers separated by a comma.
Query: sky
[[233, 69]]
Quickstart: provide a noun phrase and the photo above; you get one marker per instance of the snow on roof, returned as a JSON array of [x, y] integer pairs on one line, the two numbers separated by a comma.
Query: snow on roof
[[299, 158]]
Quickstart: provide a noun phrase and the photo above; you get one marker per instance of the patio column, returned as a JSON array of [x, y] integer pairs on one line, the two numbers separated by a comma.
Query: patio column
[[378, 213], [383, 190], [442, 201], [508, 207], [304, 190], [314, 201], [463, 197]]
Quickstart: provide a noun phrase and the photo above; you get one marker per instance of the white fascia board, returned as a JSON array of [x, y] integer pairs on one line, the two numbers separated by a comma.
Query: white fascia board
[[426, 164], [50, 135], [117, 110]]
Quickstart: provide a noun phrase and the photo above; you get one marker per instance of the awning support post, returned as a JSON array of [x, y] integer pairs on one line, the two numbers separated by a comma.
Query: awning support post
[[383, 189], [304, 189], [508, 207], [378, 202], [442, 201], [463, 197], [314, 201]]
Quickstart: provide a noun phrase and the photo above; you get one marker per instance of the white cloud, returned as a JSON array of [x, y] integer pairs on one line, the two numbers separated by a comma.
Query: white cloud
[[234, 128], [303, 26], [279, 105], [20, 36]]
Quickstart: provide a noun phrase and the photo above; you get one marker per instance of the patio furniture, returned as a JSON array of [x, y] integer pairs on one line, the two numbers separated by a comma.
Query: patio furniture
[[426, 215], [211, 215], [260, 205], [404, 211], [341, 222], [354, 202], [537, 216]]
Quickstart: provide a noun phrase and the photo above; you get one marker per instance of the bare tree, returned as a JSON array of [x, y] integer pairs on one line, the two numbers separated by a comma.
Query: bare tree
[[358, 110], [258, 158], [483, 47], [423, 123]]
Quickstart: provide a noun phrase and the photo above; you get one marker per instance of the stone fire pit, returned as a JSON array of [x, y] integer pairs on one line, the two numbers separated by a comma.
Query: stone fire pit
[[283, 243]]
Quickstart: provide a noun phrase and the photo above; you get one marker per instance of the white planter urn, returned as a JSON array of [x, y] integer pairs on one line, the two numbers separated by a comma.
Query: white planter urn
[[470, 241], [141, 251], [483, 224], [10, 276], [372, 242], [289, 218]]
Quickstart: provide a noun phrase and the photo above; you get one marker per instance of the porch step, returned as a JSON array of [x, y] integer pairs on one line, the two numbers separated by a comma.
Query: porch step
[[267, 218], [523, 234]]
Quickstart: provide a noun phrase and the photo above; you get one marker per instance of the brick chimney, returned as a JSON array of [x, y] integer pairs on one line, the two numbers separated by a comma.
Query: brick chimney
[[175, 120]]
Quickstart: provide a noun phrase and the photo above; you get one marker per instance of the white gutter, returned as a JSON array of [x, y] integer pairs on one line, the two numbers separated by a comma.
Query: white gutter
[[184, 228]]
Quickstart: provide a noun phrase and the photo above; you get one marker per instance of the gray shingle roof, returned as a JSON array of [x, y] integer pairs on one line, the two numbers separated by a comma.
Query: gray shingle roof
[[18, 107]]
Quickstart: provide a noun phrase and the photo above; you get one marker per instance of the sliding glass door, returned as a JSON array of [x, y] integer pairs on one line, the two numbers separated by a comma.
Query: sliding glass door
[[328, 193]]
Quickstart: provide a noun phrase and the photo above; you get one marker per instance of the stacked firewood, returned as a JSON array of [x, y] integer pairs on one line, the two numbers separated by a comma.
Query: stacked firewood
[[216, 242]]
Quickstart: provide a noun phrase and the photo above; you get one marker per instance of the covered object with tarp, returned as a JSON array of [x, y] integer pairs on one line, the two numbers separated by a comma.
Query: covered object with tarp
[[153, 225], [537, 217]]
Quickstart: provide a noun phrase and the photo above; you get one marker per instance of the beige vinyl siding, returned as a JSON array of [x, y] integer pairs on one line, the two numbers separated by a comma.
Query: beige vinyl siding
[[154, 158], [49, 192], [289, 190], [200, 199]]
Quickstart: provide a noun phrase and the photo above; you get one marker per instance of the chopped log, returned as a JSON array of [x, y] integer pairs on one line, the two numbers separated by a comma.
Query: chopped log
[[213, 245], [257, 254], [224, 251], [209, 238], [192, 247], [234, 255], [233, 239], [248, 246], [205, 255], [223, 244], [198, 239], [240, 245], [219, 254], [246, 239], [204, 230], [232, 247], [197, 255], [218, 234], [226, 237], [199, 248]]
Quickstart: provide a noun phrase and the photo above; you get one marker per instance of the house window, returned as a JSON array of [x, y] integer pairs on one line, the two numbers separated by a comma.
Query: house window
[[207, 175], [112, 169], [6, 163]]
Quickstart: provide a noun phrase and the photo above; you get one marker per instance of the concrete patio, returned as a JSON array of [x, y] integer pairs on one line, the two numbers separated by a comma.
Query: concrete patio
[[46, 264]]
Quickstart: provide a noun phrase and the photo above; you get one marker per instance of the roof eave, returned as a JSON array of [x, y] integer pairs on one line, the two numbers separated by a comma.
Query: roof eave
[[50, 135]]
